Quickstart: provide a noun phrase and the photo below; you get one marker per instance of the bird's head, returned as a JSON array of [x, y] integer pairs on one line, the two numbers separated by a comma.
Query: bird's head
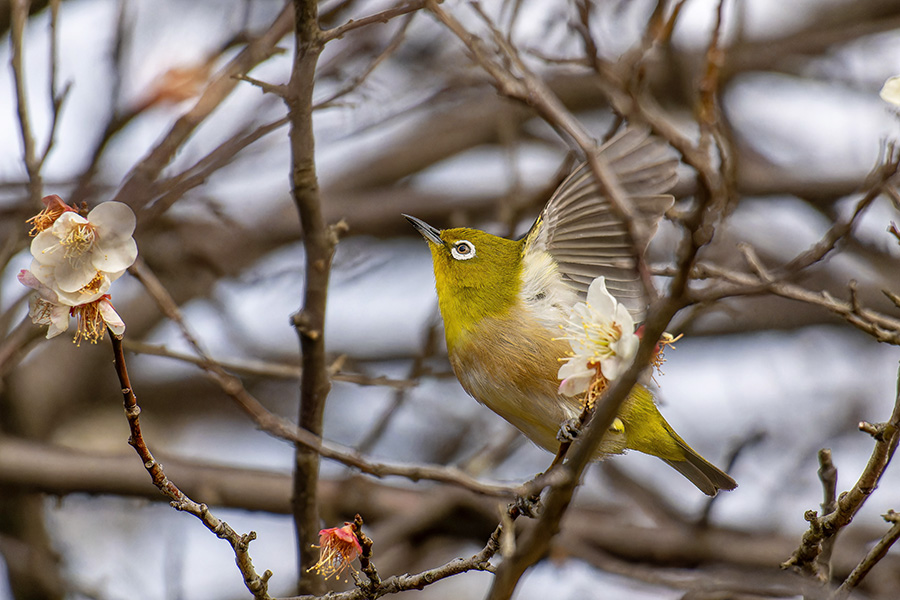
[[476, 274]]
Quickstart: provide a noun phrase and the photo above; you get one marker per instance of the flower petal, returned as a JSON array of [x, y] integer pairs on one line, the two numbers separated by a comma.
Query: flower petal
[[572, 386], [113, 275], [59, 321], [624, 319], [74, 275], [113, 220], [84, 295], [28, 279], [574, 368], [599, 299], [65, 223], [111, 317], [612, 367], [45, 248], [627, 347], [115, 255]]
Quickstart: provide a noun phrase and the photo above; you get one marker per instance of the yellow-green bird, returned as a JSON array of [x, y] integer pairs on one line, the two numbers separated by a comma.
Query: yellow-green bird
[[503, 303]]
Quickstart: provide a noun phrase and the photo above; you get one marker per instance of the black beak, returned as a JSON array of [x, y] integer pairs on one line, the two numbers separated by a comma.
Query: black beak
[[428, 232]]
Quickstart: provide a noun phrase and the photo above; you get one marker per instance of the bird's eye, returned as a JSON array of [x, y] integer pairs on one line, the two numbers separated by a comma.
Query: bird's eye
[[462, 250]]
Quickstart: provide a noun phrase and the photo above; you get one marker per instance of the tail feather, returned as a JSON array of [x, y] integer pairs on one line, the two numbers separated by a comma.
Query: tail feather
[[648, 431], [707, 477]]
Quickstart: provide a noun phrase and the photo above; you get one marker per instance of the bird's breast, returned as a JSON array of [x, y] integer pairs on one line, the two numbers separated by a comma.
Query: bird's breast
[[510, 364]]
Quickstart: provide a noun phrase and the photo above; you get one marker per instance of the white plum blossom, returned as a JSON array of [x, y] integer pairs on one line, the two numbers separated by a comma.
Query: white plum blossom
[[76, 259], [890, 92], [45, 308], [74, 251], [94, 290], [93, 316], [601, 334]]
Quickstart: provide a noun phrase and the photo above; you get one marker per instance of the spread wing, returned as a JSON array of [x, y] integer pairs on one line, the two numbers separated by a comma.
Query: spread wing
[[586, 237]]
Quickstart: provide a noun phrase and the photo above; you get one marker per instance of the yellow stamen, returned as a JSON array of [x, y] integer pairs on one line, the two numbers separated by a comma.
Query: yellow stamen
[[55, 207], [338, 547], [78, 241], [666, 340], [596, 388], [91, 325], [93, 286]]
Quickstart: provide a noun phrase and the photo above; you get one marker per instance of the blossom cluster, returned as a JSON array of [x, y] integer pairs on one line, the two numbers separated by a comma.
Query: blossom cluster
[[603, 342], [75, 260]]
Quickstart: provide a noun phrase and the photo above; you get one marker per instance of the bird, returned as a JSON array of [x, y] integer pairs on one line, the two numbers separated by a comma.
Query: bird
[[503, 303]]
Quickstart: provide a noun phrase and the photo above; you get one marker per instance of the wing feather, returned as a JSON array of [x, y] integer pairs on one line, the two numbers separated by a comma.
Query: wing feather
[[583, 233]]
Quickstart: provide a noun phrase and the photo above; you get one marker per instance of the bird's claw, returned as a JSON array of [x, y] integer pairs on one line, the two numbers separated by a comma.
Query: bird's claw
[[527, 506], [568, 431]]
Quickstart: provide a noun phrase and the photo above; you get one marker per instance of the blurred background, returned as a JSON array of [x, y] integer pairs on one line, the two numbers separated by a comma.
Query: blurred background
[[406, 123]]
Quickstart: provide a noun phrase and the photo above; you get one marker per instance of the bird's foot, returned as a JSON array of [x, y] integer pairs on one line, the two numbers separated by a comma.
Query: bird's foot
[[526, 506], [568, 431]]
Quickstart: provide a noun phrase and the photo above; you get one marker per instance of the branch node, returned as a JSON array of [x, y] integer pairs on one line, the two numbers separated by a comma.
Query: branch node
[[336, 230], [365, 558], [876, 431], [301, 321]]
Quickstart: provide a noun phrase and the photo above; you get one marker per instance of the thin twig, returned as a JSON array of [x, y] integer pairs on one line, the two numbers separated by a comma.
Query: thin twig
[[260, 368], [822, 528], [871, 559], [56, 98], [256, 584], [197, 174], [828, 477], [354, 82], [402, 583], [730, 461], [882, 327], [380, 17], [880, 181], [18, 21], [138, 185]]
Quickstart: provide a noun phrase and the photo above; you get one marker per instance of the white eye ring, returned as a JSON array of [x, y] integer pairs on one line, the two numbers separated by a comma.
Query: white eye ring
[[463, 250]]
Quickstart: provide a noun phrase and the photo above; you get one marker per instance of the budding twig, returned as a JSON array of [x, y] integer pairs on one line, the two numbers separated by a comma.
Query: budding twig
[[257, 584]]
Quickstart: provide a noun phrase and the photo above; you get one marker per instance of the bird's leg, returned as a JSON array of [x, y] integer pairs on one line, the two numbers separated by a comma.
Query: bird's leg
[[526, 506], [569, 430]]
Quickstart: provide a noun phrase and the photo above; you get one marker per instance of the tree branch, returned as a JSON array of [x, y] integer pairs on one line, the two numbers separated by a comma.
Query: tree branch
[[256, 584], [380, 17], [823, 528], [19, 13], [137, 190], [319, 242]]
